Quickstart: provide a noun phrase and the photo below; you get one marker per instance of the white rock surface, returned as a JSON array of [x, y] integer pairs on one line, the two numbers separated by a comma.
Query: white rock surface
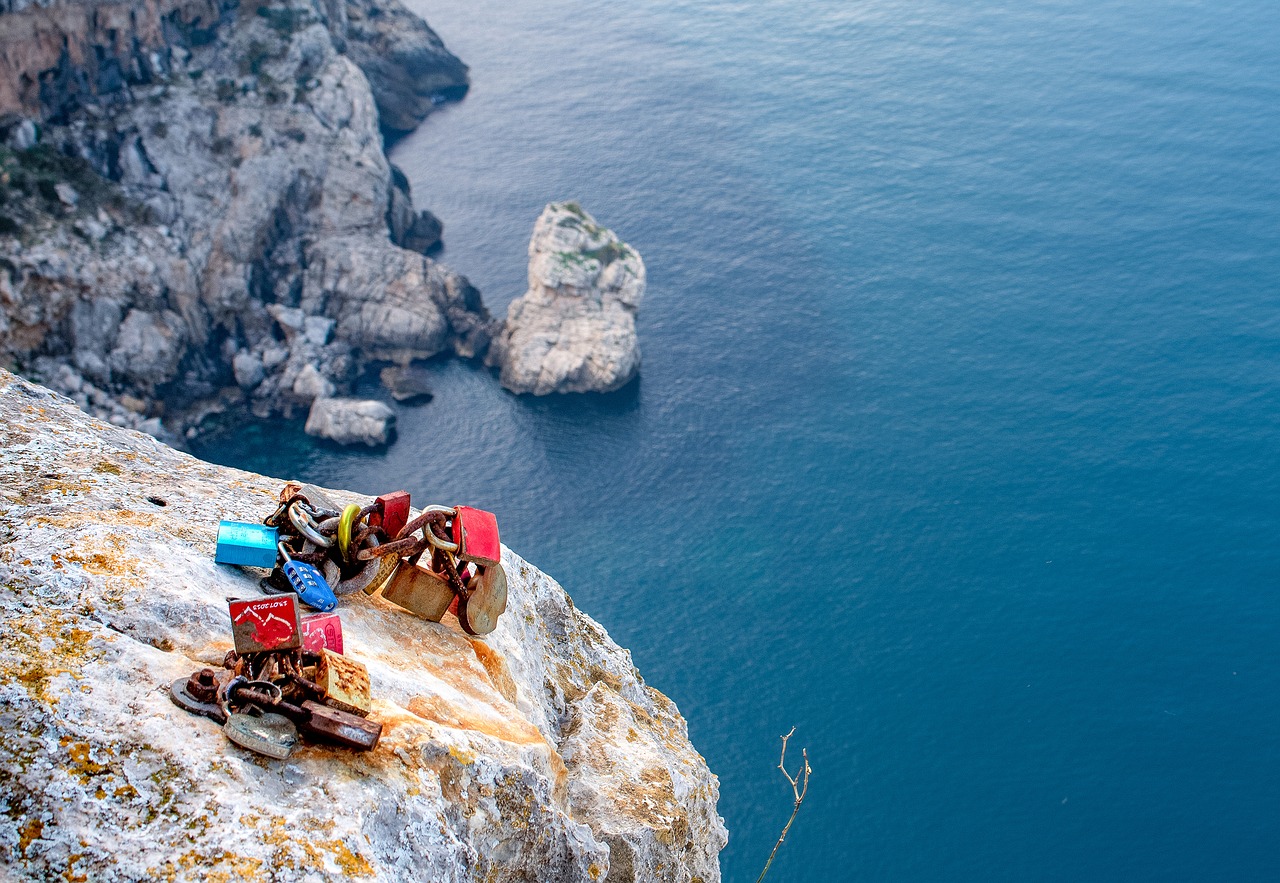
[[351, 421], [574, 330], [537, 755]]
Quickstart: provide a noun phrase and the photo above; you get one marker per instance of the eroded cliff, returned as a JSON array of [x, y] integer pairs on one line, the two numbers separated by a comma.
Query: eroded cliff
[[537, 754], [197, 211]]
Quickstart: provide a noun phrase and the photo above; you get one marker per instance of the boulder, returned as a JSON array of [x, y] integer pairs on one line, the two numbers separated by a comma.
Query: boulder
[[538, 753], [351, 421], [574, 330], [407, 383]]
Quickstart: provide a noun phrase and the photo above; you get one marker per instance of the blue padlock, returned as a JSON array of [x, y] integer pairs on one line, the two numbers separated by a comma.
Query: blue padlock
[[249, 545], [308, 582]]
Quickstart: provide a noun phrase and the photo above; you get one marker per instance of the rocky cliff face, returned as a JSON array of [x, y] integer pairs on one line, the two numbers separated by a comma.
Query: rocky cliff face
[[574, 330], [208, 218], [538, 754]]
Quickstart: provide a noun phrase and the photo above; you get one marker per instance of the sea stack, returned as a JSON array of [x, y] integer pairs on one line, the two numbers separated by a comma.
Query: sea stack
[[574, 330]]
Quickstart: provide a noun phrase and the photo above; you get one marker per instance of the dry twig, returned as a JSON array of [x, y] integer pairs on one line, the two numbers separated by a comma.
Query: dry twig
[[799, 788]]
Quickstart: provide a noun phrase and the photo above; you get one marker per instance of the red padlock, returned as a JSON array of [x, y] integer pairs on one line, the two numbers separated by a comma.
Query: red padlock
[[394, 514], [322, 631], [260, 625], [476, 533]]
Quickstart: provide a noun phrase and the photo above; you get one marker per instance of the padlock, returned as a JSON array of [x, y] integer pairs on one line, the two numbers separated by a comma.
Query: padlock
[[419, 590], [334, 725], [321, 631], [486, 599], [345, 683], [348, 523], [307, 582], [248, 545], [393, 513], [476, 533], [259, 625], [268, 733]]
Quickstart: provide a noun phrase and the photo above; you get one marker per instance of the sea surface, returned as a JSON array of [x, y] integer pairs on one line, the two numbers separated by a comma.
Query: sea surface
[[957, 441]]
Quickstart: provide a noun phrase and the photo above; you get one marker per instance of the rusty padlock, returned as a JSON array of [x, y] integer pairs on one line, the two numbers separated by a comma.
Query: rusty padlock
[[334, 725], [345, 683], [419, 589]]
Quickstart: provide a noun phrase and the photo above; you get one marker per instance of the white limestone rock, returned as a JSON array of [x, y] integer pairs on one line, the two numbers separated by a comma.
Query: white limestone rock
[[538, 754], [574, 330], [351, 421]]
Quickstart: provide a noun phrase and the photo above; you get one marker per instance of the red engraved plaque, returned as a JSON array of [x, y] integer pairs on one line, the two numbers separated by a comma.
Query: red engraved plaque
[[262, 624], [322, 631]]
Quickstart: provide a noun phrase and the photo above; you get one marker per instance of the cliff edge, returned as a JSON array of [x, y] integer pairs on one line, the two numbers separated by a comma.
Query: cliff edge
[[537, 754]]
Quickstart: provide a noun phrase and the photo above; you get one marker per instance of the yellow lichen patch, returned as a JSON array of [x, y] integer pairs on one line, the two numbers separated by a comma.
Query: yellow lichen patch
[[108, 467], [466, 758], [30, 832], [305, 854], [37, 647]]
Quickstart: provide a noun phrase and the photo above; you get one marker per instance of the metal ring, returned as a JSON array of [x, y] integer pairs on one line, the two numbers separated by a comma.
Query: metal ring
[[304, 525], [442, 545], [346, 526]]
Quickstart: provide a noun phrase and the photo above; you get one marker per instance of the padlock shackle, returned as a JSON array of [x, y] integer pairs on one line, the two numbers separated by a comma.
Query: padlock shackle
[[304, 524]]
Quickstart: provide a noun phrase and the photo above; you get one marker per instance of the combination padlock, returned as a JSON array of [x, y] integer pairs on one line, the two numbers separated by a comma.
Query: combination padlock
[[476, 533], [248, 545], [307, 582]]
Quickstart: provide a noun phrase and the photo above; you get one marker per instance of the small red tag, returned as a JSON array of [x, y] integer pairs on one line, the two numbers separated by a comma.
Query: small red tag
[[395, 512], [322, 631], [476, 533], [262, 624]]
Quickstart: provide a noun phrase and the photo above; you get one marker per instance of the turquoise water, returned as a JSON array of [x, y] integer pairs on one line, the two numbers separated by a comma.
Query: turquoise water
[[957, 434]]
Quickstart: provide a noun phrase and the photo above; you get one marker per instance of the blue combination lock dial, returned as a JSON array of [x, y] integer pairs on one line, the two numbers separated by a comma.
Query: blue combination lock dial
[[308, 582]]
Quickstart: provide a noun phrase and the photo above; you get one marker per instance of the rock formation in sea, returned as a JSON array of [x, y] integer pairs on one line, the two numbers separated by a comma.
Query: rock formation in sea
[[197, 210], [537, 754], [574, 330]]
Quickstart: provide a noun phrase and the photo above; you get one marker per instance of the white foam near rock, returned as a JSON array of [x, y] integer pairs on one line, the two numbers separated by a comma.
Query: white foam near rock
[[574, 330], [537, 754]]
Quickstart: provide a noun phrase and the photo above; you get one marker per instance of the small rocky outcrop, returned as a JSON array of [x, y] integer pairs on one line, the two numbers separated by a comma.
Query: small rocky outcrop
[[536, 754], [574, 330], [196, 210], [351, 421]]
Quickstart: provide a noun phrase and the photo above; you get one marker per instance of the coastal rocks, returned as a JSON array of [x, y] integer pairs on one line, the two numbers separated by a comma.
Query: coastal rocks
[[574, 330], [351, 421], [537, 754], [406, 384], [204, 221]]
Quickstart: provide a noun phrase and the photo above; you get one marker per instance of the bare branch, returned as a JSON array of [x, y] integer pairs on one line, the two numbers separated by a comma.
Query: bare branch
[[799, 788]]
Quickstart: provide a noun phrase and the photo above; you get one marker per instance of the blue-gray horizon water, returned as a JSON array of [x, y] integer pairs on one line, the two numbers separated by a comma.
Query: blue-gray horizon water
[[956, 434]]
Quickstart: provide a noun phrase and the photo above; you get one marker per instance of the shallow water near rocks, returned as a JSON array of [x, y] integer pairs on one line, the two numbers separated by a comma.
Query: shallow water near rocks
[[956, 436]]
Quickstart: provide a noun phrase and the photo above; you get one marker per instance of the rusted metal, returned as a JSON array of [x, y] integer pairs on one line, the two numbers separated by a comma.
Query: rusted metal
[[345, 683], [334, 725], [203, 685], [484, 602], [418, 589]]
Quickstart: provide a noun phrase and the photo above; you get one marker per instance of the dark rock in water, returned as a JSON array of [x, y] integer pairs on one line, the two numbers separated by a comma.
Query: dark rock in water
[[424, 234], [406, 384]]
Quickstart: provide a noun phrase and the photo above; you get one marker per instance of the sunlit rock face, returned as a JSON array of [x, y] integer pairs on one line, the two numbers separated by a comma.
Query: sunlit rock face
[[574, 330], [537, 754]]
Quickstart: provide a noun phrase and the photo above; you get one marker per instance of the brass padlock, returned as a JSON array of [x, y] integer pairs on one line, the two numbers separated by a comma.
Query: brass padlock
[[333, 725], [486, 599], [420, 590], [345, 683]]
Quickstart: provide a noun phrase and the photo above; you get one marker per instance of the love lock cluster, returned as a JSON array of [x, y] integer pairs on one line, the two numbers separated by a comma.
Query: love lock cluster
[[288, 674]]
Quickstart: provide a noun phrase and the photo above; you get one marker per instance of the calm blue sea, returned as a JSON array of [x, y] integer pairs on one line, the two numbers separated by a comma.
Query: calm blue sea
[[957, 438]]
